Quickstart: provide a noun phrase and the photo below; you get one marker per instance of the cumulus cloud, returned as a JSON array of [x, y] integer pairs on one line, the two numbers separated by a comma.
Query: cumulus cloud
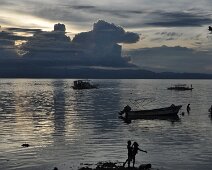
[[59, 27], [104, 32], [172, 59], [96, 47]]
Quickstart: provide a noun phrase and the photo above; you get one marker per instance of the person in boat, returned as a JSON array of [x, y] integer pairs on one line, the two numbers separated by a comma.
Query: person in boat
[[127, 108], [135, 151], [188, 108], [129, 154]]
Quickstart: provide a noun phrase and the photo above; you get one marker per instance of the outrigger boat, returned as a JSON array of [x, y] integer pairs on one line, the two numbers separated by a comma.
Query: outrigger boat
[[210, 110], [172, 110], [180, 87], [83, 84], [128, 114]]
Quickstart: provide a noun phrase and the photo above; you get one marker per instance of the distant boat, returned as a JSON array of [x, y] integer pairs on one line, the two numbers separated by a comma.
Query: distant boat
[[83, 84], [180, 87], [170, 111]]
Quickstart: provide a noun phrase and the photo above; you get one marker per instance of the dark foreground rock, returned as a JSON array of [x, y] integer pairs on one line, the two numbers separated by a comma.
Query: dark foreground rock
[[115, 166]]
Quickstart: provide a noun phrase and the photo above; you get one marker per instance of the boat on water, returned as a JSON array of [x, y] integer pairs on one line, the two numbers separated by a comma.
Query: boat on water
[[128, 114], [83, 84], [180, 87], [210, 110]]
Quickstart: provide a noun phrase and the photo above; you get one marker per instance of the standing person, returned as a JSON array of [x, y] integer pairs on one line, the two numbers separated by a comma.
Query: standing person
[[129, 149], [210, 109], [135, 151], [188, 108]]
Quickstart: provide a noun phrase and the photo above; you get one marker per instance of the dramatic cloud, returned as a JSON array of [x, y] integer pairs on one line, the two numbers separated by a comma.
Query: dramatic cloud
[[172, 23], [181, 13], [97, 47], [106, 33], [172, 59]]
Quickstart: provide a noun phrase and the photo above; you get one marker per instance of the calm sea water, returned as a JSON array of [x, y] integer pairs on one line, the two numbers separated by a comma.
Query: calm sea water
[[66, 128]]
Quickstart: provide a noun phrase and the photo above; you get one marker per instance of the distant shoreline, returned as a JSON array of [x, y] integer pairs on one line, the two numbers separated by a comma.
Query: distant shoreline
[[92, 73]]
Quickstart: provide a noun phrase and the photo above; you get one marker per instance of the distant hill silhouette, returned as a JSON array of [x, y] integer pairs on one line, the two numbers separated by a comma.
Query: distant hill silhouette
[[95, 73]]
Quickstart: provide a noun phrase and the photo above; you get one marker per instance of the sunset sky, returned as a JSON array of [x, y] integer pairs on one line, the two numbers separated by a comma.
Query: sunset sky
[[174, 35]]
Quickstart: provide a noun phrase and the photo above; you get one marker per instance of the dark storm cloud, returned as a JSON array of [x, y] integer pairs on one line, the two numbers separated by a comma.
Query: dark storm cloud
[[177, 59], [11, 36], [102, 11], [180, 19], [80, 7], [23, 30], [7, 51], [96, 47], [104, 32]]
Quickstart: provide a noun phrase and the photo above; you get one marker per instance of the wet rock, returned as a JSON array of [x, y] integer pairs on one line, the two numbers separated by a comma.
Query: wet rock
[[85, 168], [145, 167]]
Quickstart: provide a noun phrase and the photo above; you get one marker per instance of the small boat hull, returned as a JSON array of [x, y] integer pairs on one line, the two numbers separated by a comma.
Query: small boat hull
[[82, 84], [179, 88], [82, 88], [171, 111]]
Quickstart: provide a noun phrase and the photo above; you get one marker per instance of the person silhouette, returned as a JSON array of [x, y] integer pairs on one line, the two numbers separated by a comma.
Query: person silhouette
[[210, 109], [188, 108], [129, 154], [135, 151]]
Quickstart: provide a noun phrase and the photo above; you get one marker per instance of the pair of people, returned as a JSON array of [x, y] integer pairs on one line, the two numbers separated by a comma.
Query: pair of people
[[132, 151]]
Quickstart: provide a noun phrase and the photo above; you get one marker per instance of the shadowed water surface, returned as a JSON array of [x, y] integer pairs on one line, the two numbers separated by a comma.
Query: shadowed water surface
[[66, 127]]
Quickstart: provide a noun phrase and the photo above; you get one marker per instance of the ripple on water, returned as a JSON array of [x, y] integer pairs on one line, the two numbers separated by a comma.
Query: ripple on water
[[63, 125]]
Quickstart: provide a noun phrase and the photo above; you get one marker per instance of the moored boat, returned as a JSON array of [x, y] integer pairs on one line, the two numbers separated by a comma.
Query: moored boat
[[83, 84], [180, 87], [170, 111]]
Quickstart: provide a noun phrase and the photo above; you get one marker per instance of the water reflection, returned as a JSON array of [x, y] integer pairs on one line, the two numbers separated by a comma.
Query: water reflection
[[99, 105], [62, 124], [59, 107], [7, 101]]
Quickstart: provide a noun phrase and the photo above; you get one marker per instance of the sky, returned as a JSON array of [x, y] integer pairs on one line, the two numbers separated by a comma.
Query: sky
[[157, 35]]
